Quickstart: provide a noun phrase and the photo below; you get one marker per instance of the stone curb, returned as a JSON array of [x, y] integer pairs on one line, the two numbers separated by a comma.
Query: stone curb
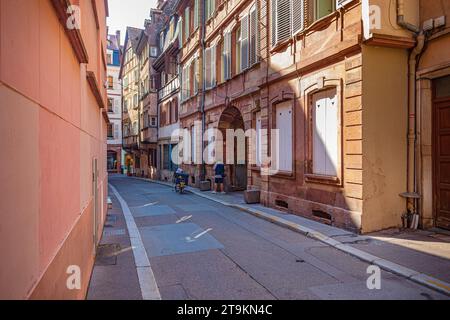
[[415, 276]]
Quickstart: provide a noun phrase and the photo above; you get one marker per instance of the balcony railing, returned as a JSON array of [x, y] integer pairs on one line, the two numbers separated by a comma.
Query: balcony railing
[[150, 135], [130, 141], [169, 88]]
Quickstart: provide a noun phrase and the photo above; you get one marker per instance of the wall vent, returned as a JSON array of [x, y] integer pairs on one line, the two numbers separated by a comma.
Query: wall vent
[[322, 215], [282, 204]]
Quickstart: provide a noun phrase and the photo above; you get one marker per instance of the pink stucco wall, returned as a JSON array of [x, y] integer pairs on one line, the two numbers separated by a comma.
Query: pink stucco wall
[[51, 127]]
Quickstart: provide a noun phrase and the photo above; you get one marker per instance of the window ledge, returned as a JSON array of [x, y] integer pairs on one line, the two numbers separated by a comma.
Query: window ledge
[[285, 175], [316, 178]]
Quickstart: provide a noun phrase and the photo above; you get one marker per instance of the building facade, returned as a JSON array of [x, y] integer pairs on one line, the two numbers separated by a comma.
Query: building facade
[[114, 105], [328, 99], [166, 66], [53, 125], [130, 76]]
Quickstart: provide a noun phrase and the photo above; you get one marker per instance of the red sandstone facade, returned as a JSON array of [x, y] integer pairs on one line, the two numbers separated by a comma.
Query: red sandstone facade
[[53, 126]]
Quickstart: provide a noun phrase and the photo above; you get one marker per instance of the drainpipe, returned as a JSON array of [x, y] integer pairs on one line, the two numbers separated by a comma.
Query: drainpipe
[[412, 193], [202, 102]]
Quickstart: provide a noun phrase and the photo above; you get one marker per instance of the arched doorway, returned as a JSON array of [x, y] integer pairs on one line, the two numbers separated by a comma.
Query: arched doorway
[[231, 118]]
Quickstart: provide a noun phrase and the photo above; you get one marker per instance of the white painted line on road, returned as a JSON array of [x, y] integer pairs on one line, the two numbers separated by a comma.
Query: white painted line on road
[[147, 281]]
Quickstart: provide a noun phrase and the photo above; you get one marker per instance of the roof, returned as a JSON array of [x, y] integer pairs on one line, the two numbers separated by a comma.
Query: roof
[[134, 35], [113, 42]]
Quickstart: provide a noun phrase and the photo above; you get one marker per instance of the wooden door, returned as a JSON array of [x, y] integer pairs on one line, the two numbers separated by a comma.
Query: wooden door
[[442, 157]]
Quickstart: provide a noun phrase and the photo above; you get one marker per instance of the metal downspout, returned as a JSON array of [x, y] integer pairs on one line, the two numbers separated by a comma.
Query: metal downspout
[[412, 193]]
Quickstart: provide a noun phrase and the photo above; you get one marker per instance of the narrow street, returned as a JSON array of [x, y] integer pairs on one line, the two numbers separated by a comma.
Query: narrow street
[[199, 249]]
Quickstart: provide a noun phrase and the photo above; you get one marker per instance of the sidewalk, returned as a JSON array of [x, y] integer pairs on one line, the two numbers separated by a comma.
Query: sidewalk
[[115, 276], [421, 256]]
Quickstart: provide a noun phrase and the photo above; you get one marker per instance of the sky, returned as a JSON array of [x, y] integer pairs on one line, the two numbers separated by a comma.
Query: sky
[[123, 13]]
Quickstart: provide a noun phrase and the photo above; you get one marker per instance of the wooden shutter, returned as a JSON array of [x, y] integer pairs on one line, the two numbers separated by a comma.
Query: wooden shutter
[[274, 22], [254, 36], [298, 15], [196, 74], [284, 125], [196, 11], [207, 68], [244, 42], [283, 17], [213, 65], [180, 31], [258, 139], [116, 131], [325, 133], [187, 22]]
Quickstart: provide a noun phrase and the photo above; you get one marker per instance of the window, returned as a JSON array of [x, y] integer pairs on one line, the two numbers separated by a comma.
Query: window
[[135, 100], [110, 104], [322, 8], [125, 82], [153, 121], [109, 58], [285, 145], [154, 52], [287, 19], [442, 87], [325, 133], [166, 157]]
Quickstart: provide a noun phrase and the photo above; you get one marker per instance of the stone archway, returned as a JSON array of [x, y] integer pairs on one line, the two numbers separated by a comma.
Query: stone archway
[[231, 118]]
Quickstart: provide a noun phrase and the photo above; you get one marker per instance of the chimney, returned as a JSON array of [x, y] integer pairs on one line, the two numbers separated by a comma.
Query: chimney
[[118, 37]]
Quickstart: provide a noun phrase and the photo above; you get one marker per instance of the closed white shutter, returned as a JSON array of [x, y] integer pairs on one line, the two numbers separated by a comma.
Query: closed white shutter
[[258, 139], [196, 11], [180, 31], [213, 66], [254, 36], [188, 80], [227, 55], [187, 22], [244, 42], [325, 133], [283, 16], [274, 22], [211, 145], [284, 125], [116, 131], [196, 74], [207, 68], [193, 145], [297, 15]]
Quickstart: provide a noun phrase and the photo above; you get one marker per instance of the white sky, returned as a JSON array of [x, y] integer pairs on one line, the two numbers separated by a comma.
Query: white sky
[[124, 13]]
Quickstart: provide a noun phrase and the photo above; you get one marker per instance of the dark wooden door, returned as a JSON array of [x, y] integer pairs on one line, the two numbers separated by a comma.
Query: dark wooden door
[[442, 162]]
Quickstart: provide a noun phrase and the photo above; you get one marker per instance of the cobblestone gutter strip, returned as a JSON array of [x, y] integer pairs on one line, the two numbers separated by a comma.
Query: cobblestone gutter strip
[[384, 264]]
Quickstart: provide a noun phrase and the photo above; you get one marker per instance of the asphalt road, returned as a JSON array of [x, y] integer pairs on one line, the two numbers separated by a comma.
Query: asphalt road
[[199, 249]]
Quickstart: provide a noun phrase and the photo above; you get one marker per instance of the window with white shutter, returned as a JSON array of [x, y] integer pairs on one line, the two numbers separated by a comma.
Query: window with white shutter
[[196, 12], [325, 133], [187, 23], [284, 118], [208, 60], [194, 144], [254, 36], [297, 15], [180, 32], [227, 55], [258, 139], [213, 66], [288, 18], [244, 43], [196, 74]]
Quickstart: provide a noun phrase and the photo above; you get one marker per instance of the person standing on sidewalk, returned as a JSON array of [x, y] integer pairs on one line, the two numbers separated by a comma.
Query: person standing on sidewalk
[[219, 171]]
